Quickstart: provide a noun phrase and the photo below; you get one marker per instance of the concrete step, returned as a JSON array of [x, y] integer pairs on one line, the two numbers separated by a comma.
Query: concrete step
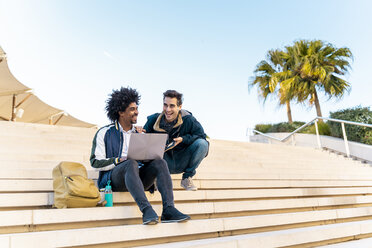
[[299, 237], [12, 143], [211, 227], [38, 131], [361, 243], [203, 210], [202, 171], [236, 184], [62, 137], [287, 153], [242, 156], [45, 138], [33, 174], [58, 134], [215, 161], [58, 155], [261, 148], [217, 175], [44, 145], [39, 199], [51, 156], [44, 161], [46, 185], [284, 175], [274, 151], [289, 170], [17, 128], [24, 164], [77, 147]]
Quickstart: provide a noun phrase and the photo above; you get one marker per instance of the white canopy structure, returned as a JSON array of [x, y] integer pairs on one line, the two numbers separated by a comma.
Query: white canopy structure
[[18, 103]]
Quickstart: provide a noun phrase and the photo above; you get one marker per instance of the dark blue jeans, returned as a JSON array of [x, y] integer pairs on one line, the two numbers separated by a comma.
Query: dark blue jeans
[[126, 176], [188, 159]]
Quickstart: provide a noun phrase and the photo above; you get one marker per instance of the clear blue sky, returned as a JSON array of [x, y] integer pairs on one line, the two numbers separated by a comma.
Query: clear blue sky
[[73, 53]]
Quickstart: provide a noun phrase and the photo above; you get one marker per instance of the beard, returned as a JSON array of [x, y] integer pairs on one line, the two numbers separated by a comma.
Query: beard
[[133, 120]]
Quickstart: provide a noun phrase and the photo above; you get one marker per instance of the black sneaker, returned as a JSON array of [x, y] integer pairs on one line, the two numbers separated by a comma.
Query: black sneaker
[[171, 214], [149, 216]]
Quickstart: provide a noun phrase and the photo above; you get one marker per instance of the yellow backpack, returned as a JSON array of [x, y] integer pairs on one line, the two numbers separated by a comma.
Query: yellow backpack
[[72, 188]]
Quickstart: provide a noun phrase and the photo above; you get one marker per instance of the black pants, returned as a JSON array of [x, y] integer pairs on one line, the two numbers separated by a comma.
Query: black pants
[[126, 176]]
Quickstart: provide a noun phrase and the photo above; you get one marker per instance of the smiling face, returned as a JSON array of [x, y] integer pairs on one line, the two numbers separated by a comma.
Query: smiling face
[[170, 108], [129, 116]]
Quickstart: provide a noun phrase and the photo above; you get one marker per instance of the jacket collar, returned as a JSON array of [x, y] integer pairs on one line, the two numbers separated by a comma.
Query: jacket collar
[[157, 122], [117, 125], [120, 128]]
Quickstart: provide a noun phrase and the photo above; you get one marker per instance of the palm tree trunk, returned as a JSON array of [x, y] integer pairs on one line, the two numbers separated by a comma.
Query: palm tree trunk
[[289, 113], [317, 105]]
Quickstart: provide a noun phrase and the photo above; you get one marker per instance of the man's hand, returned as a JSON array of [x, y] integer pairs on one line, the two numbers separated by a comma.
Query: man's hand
[[140, 129], [122, 159], [177, 140]]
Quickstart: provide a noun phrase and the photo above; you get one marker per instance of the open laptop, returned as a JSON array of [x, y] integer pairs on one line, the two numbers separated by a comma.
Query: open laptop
[[148, 146]]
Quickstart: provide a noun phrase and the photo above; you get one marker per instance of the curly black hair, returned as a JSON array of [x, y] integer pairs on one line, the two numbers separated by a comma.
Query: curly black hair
[[119, 100]]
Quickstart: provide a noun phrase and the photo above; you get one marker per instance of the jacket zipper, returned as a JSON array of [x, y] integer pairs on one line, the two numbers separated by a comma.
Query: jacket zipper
[[121, 145], [72, 175], [64, 181]]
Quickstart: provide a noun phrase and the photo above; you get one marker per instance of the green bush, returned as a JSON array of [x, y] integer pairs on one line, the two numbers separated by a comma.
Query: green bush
[[285, 127], [323, 129], [330, 128], [353, 132], [282, 127], [367, 139], [263, 128]]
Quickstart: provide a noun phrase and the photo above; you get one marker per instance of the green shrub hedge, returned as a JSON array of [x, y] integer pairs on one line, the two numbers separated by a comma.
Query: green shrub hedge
[[330, 128], [323, 128], [367, 139], [354, 133], [285, 127], [282, 127], [263, 128]]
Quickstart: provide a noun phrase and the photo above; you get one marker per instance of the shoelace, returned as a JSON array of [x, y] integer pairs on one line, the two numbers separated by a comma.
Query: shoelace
[[189, 182]]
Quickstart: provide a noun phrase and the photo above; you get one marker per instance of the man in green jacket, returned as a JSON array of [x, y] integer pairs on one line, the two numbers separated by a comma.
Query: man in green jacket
[[187, 145]]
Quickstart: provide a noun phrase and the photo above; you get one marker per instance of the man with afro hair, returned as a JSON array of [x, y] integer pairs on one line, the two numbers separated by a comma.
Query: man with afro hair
[[109, 156]]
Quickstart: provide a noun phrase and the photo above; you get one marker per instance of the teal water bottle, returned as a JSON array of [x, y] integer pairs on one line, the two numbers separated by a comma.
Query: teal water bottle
[[108, 195]]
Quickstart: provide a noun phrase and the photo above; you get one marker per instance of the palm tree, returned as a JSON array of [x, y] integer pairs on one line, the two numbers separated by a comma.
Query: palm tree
[[269, 73], [316, 66]]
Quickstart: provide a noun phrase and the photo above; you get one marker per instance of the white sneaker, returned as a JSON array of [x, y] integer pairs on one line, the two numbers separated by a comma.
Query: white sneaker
[[187, 184]]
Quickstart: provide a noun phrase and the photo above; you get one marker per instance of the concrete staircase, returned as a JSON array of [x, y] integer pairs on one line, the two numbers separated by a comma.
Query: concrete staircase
[[250, 195]]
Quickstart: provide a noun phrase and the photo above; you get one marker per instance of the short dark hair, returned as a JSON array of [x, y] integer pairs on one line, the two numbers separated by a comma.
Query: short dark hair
[[119, 100], [174, 94]]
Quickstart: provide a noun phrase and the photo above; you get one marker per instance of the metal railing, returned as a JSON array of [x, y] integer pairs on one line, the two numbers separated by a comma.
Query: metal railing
[[315, 120]]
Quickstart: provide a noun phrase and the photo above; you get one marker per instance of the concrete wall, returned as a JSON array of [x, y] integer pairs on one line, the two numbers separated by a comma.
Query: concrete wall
[[358, 150]]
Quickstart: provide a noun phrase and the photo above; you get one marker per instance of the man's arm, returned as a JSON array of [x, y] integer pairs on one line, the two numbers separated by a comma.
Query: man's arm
[[149, 126], [196, 132], [98, 158]]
